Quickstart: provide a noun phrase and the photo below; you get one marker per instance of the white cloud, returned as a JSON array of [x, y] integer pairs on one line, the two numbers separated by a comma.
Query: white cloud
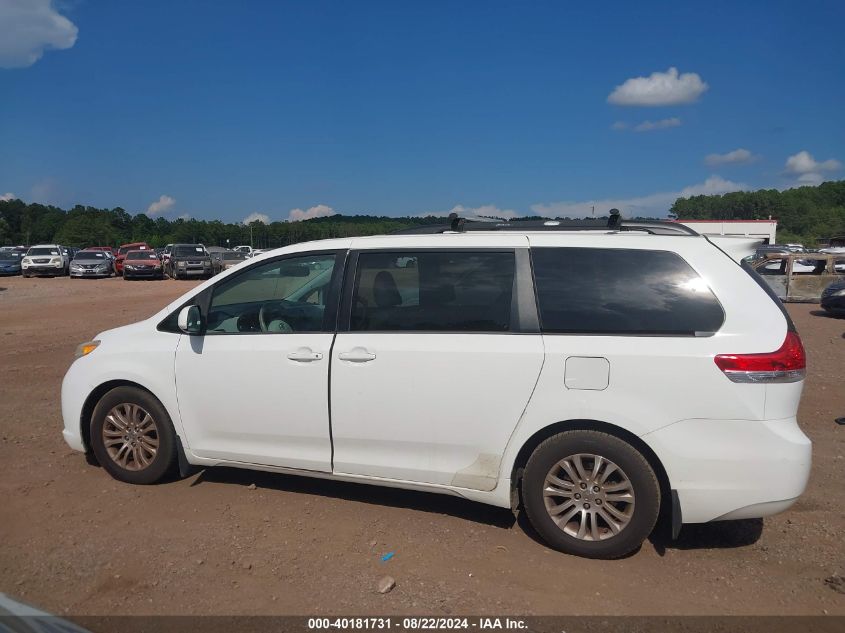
[[651, 205], [257, 217], [484, 211], [162, 205], [319, 211], [803, 162], [184, 216], [662, 124], [737, 156], [8, 196], [659, 89], [619, 125], [28, 28]]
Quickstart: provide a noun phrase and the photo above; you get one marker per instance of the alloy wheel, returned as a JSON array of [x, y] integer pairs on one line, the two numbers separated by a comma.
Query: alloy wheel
[[130, 436], [589, 497]]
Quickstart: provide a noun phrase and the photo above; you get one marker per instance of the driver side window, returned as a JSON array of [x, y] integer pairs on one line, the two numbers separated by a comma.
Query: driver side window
[[280, 297]]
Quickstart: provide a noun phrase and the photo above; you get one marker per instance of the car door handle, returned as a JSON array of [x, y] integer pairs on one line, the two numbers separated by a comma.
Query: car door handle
[[357, 355], [305, 355]]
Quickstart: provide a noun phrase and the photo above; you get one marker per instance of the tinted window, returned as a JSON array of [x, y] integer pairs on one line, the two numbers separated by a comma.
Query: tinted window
[[90, 255], [42, 251], [619, 291], [188, 251], [277, 297], [433, 291]]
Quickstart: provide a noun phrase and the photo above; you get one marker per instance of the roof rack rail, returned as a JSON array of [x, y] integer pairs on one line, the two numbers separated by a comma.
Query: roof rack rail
[[614, 223]]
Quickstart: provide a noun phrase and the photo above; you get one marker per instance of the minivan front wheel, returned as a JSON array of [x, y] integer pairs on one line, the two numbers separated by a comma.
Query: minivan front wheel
[[590, 494], [132, 436]]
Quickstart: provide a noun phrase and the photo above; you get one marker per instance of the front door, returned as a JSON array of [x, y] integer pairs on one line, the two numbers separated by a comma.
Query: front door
[[254, 388], [435, 370]]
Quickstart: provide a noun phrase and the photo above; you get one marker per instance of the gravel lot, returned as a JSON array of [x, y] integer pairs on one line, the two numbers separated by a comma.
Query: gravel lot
[[74, 541]]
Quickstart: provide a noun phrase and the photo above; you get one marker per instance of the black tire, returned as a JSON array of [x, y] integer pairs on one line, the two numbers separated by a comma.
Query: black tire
[[164, 461], [642, 479]]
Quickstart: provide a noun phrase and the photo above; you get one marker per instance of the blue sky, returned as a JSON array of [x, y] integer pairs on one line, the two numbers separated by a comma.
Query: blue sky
[[226, 109]]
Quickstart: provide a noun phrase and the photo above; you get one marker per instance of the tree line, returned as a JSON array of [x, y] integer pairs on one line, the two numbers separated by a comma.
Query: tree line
[[804, 214]]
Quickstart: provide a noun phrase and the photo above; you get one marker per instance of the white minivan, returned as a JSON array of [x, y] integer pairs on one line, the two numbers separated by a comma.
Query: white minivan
[[591, 376]]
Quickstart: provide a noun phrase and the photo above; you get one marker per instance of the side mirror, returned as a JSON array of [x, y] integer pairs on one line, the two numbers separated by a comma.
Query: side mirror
[[190, 320]]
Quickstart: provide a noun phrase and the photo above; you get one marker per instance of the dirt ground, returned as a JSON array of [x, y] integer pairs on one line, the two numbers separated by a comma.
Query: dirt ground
[[74, 541]]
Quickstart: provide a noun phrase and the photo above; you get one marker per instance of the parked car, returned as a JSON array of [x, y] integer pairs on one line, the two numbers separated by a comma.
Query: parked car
[[833, 298], [142, 265], [108, 250], [125, 248], [596, 377], [70, 252], [189, 261], [45, 260], [233, 258], [10, 262], [93, 263], [243, 249], [165, 253]]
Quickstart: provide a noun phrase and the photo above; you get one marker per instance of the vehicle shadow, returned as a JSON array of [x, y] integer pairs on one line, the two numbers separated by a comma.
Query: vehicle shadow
[[713, 535], [829, 315], [362, 493]]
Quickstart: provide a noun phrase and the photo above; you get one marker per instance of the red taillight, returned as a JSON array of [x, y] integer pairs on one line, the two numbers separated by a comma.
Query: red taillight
[[787, 364]]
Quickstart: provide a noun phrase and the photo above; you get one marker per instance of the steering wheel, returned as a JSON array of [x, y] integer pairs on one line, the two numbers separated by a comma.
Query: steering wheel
[[274, 325]]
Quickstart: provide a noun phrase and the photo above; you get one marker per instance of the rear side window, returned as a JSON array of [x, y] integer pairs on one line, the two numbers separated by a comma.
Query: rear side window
[[433, 291], [622, 291]]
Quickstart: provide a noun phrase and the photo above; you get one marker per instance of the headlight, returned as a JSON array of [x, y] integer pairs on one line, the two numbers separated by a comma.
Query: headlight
[[839, 293], [180, 263], [83, 349]]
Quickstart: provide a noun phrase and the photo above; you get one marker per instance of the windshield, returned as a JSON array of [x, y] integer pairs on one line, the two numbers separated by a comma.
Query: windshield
[[9, 256], [142, 255], [42, 251], [125, 249], [90, 255], [234, 255], [188, 251]]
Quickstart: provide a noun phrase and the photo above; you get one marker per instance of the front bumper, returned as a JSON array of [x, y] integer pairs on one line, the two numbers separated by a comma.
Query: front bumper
[[5, 272], [75, 390], [44, 269], [151, 273], [834, 303], [733, 469]]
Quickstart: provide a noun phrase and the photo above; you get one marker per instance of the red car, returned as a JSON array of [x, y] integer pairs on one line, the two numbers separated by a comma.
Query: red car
[[143, 264], [125, 248]]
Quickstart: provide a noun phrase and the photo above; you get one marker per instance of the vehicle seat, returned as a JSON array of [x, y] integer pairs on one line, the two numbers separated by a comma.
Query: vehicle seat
[[385, 292]]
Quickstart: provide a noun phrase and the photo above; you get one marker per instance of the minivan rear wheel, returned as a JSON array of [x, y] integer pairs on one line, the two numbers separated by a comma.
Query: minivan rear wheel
[[132, 436], [590, 494]]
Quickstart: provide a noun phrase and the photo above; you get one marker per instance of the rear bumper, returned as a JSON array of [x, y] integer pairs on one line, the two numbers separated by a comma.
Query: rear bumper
[[733, 469]]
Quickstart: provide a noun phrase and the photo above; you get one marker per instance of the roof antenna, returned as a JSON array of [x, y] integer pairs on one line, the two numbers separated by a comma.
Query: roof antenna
[[615, 219], [455, 223]]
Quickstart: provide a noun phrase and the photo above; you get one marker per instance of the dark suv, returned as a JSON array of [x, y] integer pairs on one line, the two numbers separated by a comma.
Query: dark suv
[[189, 260]]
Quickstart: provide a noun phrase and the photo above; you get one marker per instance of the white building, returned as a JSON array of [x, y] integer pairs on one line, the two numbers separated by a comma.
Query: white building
[[759, 229]]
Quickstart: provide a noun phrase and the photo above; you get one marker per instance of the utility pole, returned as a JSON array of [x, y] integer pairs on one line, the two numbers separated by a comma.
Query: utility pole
[[250, 235]]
